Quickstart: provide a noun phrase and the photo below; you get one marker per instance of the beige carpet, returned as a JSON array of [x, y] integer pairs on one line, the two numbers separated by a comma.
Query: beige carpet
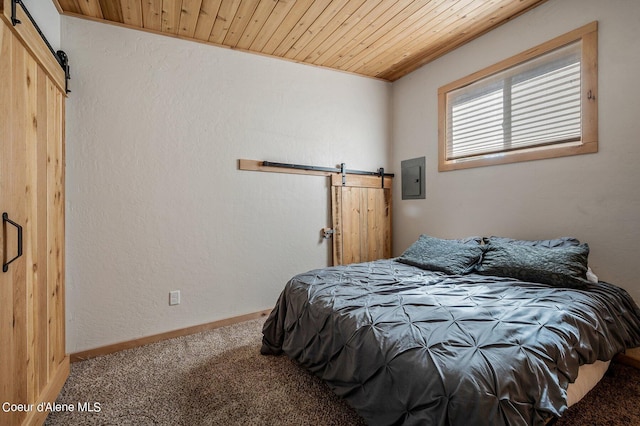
[[219, 378]]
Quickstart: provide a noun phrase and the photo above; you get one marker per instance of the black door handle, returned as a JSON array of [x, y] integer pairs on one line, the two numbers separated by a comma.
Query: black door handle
[[5, 219]]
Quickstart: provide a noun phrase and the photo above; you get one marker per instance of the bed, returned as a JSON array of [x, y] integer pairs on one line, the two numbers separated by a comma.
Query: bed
[[480, 331]]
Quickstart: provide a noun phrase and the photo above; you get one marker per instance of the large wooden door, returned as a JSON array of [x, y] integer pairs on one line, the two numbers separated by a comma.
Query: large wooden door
[[13, 344], [360, 209], [33, 360], [361, 214]]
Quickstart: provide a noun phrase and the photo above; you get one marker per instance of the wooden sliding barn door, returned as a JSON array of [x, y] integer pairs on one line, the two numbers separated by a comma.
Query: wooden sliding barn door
[[33, 360], [361, 213], [360, 209]]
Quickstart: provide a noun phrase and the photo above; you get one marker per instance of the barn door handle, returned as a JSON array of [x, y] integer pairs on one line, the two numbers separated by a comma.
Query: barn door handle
[[5, 219]]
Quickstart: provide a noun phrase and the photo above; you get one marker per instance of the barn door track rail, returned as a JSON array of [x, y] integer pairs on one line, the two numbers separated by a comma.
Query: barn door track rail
[[270, 166]]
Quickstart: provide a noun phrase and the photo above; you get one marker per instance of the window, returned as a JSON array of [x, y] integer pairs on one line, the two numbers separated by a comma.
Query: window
[[538, 104]]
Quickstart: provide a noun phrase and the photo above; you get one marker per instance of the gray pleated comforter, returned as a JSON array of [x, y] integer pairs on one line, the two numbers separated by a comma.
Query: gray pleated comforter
[[408, 346]]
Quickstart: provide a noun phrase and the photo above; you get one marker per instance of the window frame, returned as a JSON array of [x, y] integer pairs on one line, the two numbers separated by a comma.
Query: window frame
[[588, 143]]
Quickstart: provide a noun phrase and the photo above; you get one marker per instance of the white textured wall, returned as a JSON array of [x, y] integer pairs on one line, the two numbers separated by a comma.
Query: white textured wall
[[46, 16], [155, 126], [594, 197]]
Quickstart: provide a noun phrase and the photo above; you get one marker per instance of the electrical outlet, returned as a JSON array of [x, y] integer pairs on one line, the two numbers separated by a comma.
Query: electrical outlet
[[174, 297]]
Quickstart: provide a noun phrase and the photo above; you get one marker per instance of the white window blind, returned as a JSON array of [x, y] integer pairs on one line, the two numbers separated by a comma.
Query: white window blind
[[533, 104]]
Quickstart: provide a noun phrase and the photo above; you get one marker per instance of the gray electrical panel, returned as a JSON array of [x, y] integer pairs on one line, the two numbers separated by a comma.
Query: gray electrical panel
[[413, 185]]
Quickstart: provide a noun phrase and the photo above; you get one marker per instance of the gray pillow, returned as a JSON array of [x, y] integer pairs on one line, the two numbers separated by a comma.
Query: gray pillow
[[559, 266], [556, 242], [456, 257]]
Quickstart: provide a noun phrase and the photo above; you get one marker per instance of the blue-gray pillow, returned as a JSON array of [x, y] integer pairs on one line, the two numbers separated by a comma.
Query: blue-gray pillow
[[556, 242], [558, 266], [456, 257]]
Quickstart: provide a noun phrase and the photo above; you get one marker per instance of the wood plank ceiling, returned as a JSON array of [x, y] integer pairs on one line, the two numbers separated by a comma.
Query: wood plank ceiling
[[385, 39]]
